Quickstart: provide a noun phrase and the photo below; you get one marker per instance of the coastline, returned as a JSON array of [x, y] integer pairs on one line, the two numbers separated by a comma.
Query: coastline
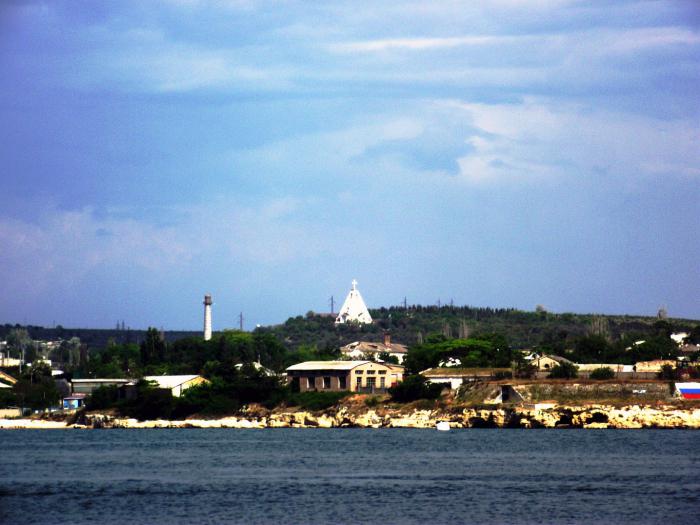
[[542, 415]]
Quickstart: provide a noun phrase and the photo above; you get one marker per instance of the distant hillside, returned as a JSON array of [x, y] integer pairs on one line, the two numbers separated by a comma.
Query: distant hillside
[[522, 329], [409, 326], [93, 337]]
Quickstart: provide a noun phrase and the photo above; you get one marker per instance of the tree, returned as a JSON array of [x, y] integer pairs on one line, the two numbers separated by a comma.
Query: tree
[[602, 373], [564, 370], [36, 388], [388, 358], [18, 340], [413, 388], [153, 348], [592, 349], [668, 372], [694, 335]]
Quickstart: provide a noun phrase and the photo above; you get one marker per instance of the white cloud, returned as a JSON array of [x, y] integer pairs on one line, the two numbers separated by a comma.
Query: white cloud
[[639, 39], [544, 138], [64, 248], [417, 44]]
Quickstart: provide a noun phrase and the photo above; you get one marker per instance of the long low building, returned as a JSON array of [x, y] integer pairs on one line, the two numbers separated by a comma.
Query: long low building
[[337, 376], [455, 377], [88, 386]]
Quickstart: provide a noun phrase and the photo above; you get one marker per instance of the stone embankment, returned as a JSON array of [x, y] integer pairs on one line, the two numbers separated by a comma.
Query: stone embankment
[[535, 416]]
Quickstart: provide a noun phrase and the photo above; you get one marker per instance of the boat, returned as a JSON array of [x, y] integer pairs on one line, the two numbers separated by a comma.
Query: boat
[[689, 390], [443, 425]]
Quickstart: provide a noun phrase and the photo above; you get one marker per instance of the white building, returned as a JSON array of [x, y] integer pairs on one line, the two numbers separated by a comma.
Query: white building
[[371, 350], [354, 309]]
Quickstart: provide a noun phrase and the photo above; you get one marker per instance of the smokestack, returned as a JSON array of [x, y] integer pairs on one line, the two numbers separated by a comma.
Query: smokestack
[[207, 317]]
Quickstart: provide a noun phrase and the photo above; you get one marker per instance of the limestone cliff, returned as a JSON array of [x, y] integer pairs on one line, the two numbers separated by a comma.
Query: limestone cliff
[[535, 416]]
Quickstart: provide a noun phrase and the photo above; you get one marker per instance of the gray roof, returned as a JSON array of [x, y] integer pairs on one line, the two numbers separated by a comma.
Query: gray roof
[[325, 365], [369, 346]]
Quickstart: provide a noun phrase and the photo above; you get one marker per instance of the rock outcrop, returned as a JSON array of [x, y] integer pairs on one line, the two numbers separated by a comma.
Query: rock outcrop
[[544, 415]]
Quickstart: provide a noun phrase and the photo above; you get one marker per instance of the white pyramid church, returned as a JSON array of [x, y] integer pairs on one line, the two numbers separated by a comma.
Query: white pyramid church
[[353, 309]]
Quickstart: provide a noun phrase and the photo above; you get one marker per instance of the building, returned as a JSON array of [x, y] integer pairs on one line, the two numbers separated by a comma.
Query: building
[[9, 362], [587, 368], [689, 348], [336, 376], [88, 386], [546, 362], [679, 337], [369, 350], [653, 366], [258, 367], [176, 384], [455, 377], [354, 309], [207, 317], [7, 378], [74, 401]]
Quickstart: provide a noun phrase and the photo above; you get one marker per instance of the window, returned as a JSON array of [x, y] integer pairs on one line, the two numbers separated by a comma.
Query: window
[[371, 382], [311, 382], [341, 382], [359, 382], [358, 372], [382, 382], [382, 372], [370, 372], [326, 382]]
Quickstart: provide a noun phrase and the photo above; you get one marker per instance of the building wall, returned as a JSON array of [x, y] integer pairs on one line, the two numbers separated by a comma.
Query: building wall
[[323, 381], [454, 382], [653, 366], [179, 389], [545, 363], [374, 375]]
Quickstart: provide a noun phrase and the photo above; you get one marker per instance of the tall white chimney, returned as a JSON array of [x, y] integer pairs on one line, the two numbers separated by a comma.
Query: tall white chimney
[[207, 317]]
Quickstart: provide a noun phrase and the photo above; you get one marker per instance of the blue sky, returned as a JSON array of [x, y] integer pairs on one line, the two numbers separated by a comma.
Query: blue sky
[[501, 153]]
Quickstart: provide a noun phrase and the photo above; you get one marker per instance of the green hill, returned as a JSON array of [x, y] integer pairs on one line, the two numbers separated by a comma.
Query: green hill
[[522, 329]]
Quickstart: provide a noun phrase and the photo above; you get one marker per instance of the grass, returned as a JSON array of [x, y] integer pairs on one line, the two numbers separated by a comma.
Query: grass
[[316, 400]]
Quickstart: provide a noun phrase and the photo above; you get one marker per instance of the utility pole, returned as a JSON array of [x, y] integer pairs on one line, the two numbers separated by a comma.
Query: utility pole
[[240, 321]]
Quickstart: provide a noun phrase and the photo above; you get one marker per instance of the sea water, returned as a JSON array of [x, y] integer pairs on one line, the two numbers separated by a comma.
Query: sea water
[[349, 476]]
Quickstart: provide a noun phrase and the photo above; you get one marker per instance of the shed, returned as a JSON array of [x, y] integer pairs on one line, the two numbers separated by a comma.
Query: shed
[[176, 384]]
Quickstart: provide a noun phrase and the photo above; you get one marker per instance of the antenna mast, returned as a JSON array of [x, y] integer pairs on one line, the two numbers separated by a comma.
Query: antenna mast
[[240, 321]]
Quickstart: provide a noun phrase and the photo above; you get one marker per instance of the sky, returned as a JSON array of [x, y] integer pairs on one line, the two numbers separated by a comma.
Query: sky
[[504, 154]]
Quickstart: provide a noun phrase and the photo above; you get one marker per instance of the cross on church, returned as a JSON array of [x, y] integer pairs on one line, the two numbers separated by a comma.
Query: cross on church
[[354, 284]]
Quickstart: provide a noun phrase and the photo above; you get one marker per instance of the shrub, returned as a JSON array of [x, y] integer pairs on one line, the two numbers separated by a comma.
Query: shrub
[[602, 373], [153, 403], [564, 370], [316, 400], [103, 397], [413, 388], [372, 401], [667, 372]]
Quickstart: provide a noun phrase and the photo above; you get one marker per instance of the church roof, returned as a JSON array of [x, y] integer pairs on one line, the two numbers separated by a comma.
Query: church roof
[[354, 308]]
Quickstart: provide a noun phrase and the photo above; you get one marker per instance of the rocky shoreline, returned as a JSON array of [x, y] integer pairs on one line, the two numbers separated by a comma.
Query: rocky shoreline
[[544, 415]]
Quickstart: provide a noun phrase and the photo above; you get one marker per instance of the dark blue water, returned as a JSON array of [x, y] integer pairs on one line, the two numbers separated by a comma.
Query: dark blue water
[[349, 476]]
